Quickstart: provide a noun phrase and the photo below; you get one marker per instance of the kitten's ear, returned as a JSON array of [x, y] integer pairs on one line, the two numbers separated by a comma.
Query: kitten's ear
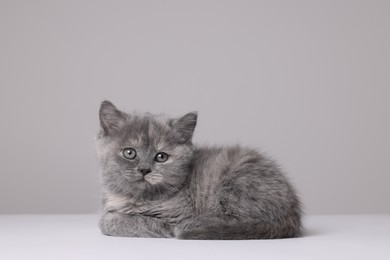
[[111, 119], [185, 125]]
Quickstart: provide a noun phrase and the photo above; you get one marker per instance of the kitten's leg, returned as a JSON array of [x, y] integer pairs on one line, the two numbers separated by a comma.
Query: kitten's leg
[[173, 210], [122, 225]]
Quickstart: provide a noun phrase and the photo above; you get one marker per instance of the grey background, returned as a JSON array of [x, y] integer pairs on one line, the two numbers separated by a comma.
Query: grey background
[[305, 81]]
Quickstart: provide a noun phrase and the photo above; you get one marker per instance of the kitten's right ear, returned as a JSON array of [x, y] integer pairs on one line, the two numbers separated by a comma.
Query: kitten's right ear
[[185, 126], [111, 119]]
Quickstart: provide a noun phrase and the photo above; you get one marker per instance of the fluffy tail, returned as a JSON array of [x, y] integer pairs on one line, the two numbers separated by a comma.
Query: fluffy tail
[[239, 232]]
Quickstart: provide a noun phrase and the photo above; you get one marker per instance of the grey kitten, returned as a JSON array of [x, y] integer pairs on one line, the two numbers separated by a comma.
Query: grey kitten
[[156, 183]]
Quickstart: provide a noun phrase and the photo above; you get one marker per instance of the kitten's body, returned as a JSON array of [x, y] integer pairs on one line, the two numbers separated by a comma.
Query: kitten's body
[[199, 193]]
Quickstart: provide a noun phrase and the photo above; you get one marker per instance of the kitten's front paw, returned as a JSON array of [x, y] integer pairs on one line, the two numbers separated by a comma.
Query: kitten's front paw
[[107, 223]]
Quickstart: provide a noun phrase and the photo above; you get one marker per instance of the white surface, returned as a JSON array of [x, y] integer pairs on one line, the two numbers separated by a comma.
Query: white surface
[[78, 237]]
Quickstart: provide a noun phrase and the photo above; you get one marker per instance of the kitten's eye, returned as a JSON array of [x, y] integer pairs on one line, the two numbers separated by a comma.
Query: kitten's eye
[[129, 153], [161, 157]]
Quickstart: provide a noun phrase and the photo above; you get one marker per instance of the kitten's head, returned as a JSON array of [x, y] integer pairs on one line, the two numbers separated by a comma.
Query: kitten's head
[[144, 155]]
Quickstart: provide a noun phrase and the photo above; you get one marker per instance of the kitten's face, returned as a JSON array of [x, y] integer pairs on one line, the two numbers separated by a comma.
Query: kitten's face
[[144, 155]]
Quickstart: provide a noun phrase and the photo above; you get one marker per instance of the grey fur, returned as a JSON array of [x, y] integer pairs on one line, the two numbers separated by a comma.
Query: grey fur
[[199, 193]]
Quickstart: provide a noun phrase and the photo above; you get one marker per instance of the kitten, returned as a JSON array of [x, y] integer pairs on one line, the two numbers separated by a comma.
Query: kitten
[[156, 183]]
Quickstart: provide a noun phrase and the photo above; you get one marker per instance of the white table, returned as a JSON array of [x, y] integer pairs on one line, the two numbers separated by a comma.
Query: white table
[[78, 237]]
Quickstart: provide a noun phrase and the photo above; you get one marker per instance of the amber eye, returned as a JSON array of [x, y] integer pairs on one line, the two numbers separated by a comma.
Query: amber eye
[[129, 153], [161, 157]]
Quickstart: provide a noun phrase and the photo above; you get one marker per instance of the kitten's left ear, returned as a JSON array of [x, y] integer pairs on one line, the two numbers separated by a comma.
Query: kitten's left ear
[[111, 119], [185, 125]]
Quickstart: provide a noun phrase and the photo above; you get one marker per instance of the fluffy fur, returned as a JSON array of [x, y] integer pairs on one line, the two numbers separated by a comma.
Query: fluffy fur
[[198, 193]]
